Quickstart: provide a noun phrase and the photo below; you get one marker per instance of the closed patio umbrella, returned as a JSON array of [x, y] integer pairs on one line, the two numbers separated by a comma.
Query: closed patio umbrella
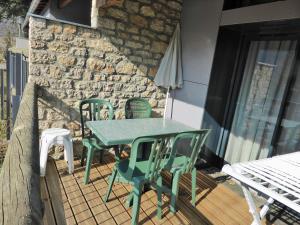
[[169, 74]]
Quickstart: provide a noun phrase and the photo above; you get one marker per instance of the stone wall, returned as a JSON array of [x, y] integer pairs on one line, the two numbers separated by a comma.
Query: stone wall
[[116, 61]]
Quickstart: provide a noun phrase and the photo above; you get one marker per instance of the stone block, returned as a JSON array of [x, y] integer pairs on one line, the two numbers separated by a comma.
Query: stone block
[[42, 82], [37, 44], [94, 53], [79, 42], [37, 23], [132, 7], [94, 64], [125, 68], [75, 73], [136, 59], [142, 70], [55, 72], [42, 57], [106, 23], [147, 11], [78, 51], [175, 5], [102, 44], [35, 70], [125, 79], [109, 69], [133, 29], [120, 26], [110, 3], [55, 28], [69, 29], [134, 44], [157, 25], [138, 21], [43, 36], [58, 46], [118, 14], [150, 62], [113, 58], [66, 60], [80, 62], [65, 37], [153, 103], [159, 46]]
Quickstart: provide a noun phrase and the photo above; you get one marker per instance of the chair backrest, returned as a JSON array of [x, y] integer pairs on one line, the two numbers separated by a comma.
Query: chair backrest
[[159, 155], [92, 109], [193, 141], [136, 108]]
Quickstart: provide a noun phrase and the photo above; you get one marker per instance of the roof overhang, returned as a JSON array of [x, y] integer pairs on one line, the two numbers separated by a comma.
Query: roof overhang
[[36, 7], [63, 3]]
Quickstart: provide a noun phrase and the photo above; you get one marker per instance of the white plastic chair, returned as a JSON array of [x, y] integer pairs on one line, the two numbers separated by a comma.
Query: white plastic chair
[[51, 137]]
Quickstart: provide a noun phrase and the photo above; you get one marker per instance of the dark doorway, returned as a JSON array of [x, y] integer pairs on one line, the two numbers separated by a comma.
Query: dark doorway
[[253, 104]]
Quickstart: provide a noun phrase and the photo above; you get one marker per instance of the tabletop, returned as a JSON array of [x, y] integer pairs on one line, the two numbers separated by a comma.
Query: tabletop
[[116, 132]]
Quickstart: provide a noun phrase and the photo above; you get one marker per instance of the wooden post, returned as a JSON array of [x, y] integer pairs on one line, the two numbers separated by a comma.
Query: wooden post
[[20, 198]]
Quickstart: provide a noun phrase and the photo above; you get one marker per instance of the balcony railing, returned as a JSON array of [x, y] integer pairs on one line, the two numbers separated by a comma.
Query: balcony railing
[[20, 198]]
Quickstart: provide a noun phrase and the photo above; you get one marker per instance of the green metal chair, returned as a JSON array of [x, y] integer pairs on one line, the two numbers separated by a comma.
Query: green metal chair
[[90, 110], [180, 164], [140, 173], [137, 108]]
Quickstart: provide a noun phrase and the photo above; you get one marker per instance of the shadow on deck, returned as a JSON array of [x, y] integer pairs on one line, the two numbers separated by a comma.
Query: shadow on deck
[[68, 201]]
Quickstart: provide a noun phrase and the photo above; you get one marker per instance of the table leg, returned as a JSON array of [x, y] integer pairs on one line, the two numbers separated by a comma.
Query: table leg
[[252, 207], [266, 207], [117, 153]]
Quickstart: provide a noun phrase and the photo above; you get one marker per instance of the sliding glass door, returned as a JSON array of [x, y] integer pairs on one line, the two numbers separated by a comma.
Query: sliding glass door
[[288, 136], [264, 118]]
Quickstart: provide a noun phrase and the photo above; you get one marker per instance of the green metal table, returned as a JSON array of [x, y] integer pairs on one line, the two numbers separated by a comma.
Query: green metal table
[[118, 132]]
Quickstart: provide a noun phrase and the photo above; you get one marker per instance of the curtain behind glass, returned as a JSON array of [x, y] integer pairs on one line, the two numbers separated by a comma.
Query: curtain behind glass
[[265, 77], [289, 133]]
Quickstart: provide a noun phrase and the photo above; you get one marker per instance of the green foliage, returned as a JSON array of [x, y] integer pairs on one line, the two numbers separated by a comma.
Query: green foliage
[[6, 42], [12, 8]]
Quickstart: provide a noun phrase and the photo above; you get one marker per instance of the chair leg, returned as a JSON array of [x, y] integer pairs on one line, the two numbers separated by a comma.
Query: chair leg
[[129, 200], [90, 156], [110, 185], [101, 156], [43, 156], [137, 193], [83, 155], [159, 197], [194, 179], [174, 193], [68, 151]]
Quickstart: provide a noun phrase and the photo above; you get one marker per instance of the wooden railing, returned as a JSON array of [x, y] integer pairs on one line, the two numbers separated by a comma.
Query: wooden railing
[[20, 199]]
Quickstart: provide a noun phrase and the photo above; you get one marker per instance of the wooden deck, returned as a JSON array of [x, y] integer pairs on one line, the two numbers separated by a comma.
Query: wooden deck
[[68, 201]]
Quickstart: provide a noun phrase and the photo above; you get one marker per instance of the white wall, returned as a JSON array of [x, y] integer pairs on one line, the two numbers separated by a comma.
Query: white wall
[[200, 26]]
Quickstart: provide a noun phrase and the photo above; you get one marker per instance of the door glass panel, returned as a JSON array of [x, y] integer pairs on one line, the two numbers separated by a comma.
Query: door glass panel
[[267, 70], [289, 132]]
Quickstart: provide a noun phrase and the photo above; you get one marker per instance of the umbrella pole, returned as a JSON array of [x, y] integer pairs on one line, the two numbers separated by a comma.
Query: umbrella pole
[[166, 104]]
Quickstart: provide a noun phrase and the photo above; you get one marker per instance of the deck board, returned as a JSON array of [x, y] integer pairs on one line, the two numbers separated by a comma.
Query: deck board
[[83, 204]]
